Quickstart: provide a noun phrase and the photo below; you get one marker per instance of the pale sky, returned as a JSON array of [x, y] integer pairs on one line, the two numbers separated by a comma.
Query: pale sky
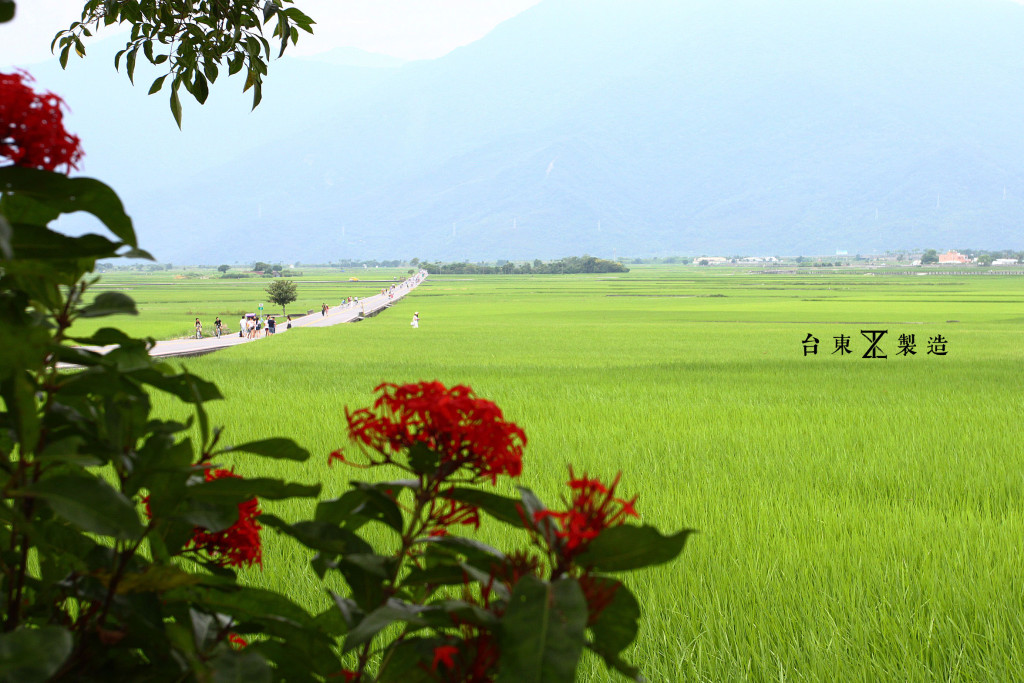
[[410, 29]]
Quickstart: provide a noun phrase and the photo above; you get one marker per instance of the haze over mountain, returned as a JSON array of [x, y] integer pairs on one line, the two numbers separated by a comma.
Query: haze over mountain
[[611, 127]]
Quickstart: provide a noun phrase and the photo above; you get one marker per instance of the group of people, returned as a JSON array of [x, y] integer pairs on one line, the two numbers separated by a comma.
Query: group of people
[[251, 326]]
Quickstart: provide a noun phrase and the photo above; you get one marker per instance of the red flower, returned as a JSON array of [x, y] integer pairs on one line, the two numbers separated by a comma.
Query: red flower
[[468, 433], [443, 656], [237, 641], [444, 514], [32, 130], [592, 509], [240, 543]]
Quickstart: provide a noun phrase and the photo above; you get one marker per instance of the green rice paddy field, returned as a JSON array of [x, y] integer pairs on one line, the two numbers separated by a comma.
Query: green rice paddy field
[[860, 519]]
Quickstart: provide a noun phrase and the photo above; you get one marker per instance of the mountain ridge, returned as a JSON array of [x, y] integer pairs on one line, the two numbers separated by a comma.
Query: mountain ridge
[[603, 126]]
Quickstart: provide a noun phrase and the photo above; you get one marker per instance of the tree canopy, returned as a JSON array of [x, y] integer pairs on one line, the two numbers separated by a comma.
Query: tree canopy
[[191, 40], [282, 293]]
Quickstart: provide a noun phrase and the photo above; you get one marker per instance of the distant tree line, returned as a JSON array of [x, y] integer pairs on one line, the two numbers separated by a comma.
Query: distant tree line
[[568, 265]]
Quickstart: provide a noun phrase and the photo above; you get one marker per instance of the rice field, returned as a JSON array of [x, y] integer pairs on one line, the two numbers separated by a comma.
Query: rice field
[[860, 519]]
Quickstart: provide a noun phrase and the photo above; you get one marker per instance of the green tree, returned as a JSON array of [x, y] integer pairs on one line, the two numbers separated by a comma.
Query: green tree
[[929, 256], [225, 268], [282, 293], [191, 40]]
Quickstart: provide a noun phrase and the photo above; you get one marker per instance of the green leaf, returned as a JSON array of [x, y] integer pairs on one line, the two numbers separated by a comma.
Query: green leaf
[[130, 63], [6, 10], [257, 94], [176, 105], [440, 575], [28, 655], [237, 489], [36, 242], [157, 84], [212, 516], [188, 388], [244, 604], [479, 554], [269, 10], [67, 195], [109, 303], [531, 506], [108, 336], [378, 506], [542, 631], [423, 460], [156, 578], [89, 503], [617, 624], [504, 509], [235, 64], [240, 667], [18, 392], [327, 538], [626, 547], [380, 618], [200, 89], [278, 448], [409, 661]]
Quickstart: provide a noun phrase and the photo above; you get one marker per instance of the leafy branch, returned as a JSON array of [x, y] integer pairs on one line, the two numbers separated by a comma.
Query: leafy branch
[[192, 41]]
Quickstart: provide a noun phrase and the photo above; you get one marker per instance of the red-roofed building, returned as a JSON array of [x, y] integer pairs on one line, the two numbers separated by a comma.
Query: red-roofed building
[[953, 257]]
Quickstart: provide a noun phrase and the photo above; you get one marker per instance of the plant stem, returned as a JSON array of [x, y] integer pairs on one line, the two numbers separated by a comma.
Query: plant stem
[[416, 525]]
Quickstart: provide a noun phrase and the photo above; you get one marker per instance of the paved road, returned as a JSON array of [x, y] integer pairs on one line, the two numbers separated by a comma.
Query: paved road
[[369, 306]]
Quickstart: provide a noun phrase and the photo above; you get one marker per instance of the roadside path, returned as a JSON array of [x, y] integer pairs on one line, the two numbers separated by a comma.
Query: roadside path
[[371, 305]]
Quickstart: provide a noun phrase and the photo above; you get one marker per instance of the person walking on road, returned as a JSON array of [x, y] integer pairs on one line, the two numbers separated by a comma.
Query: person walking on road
[[271, 325], [241, 326], [199, 329]]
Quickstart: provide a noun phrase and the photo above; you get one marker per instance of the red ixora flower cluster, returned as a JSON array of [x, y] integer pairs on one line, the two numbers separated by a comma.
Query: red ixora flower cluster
[[239, 544], [466, 431], [32, 130], [474, 662], [593, 508]]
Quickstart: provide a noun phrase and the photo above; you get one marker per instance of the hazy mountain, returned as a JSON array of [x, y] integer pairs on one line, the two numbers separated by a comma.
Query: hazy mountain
[[622, 127]]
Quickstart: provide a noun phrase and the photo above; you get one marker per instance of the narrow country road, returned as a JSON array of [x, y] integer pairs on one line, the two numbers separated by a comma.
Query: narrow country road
[[369, 306]]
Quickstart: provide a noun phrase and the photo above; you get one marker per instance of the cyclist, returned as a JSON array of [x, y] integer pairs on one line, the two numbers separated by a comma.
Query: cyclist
[[199, 329], [216, 326]]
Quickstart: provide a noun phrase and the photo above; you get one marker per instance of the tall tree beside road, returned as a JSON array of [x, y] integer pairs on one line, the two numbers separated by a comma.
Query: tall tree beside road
[[282, 293]]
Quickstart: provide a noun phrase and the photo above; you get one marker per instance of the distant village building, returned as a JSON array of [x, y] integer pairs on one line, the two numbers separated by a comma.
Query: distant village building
[[1005, 262], [953, 257]]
